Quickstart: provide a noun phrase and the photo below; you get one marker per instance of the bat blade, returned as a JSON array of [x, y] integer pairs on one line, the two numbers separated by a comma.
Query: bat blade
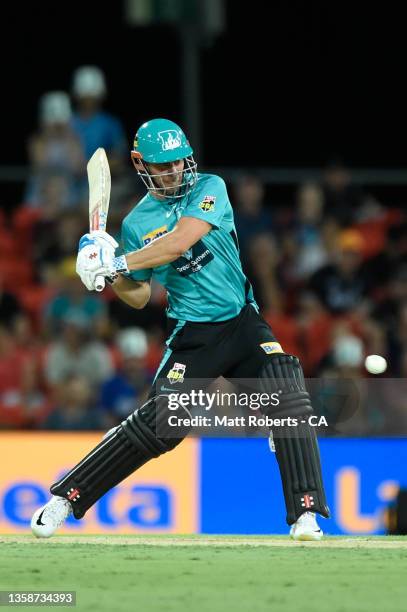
[[99, 196], [99, 189]]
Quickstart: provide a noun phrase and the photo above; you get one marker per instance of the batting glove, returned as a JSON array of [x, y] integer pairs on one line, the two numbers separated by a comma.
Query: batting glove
[[93, 261], [99, 237]]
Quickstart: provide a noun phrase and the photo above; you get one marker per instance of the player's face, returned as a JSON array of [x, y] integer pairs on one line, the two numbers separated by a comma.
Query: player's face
[[168, 175]]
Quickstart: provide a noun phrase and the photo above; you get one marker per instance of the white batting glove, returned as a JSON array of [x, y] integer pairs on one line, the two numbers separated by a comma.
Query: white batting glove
[[93, 261], [99, 237], [107, 241]]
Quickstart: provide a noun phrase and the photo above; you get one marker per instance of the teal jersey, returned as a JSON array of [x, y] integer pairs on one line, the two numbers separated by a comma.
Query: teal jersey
[[207, 282]]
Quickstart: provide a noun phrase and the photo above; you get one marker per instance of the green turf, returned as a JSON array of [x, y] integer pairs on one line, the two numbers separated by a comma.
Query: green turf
[[211, 578]]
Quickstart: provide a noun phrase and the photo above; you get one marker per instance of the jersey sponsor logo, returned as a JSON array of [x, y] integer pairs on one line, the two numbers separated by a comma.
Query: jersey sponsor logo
[[271, 347], [193, 260], [208, 203], [169, 140], [177, 373], [154, 234]]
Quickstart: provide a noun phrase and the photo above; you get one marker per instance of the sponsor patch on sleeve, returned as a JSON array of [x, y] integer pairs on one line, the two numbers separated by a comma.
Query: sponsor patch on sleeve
[[208, 203], [154, 234], [271, 347]]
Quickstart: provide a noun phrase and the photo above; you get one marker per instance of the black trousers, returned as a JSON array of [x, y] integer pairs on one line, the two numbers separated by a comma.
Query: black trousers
[[232, 349]]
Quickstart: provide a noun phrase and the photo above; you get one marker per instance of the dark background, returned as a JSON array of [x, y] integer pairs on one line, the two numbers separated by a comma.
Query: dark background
[[286, 83]]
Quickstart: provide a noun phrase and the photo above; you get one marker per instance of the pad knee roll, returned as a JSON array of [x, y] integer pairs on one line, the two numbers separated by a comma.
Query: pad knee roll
[[141, 437], [282, 374]]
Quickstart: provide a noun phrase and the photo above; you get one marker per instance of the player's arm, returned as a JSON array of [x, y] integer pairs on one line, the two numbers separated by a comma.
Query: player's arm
[[169, 247], [134, 293]]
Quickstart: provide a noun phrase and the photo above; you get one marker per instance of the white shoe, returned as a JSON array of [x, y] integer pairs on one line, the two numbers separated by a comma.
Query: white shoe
[[48, 518], [306, 528]]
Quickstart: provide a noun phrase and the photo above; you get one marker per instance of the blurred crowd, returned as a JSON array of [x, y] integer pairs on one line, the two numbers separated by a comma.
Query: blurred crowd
[[328, 269]]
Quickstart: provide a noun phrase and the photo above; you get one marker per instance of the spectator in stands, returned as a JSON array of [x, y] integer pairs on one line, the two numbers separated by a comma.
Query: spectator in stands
[[393, 295], [11, 366], [396, 324], [95, 127], [75, 407], [342, 197], [308, 234], [313, 321], [120, 393], [342, 285], [50, 232], [347, 352], [73, 300], [56, 240], [262, 271], [343, 394], [77, 353], [9, 307], [55, 150], [383, 267], [23, 401], [251, 217], [360, 405], [392, 395], [35, 398]]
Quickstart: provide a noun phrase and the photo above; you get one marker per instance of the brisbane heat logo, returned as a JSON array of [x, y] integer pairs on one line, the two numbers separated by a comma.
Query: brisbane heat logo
[[208, 203], [177, 373], [169, 140]]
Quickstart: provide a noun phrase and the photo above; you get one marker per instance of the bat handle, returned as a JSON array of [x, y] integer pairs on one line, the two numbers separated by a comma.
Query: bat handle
[[100, 283]]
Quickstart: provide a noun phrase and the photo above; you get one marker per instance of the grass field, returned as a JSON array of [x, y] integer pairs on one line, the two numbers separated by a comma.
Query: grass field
[[211, 573]]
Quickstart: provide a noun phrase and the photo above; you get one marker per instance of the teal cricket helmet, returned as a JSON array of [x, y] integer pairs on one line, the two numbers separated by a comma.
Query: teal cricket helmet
[[161, 141]]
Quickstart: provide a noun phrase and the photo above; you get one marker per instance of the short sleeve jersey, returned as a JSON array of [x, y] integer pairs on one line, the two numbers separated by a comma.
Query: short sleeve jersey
[[207, 282]]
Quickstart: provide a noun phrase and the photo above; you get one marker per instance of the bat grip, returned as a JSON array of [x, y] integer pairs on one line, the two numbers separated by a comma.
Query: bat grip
[[100, 283]]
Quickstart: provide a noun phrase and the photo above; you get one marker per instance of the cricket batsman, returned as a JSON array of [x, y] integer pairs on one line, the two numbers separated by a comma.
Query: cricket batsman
[[182, 233]]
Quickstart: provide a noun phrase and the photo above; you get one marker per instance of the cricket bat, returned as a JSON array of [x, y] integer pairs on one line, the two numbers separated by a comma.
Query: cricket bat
[[99, 197]]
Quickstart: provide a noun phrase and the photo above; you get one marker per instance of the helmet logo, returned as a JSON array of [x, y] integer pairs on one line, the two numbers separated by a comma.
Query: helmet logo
[[170, 139]]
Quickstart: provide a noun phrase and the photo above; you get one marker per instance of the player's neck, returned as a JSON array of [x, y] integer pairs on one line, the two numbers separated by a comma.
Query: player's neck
[[157, 196]]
